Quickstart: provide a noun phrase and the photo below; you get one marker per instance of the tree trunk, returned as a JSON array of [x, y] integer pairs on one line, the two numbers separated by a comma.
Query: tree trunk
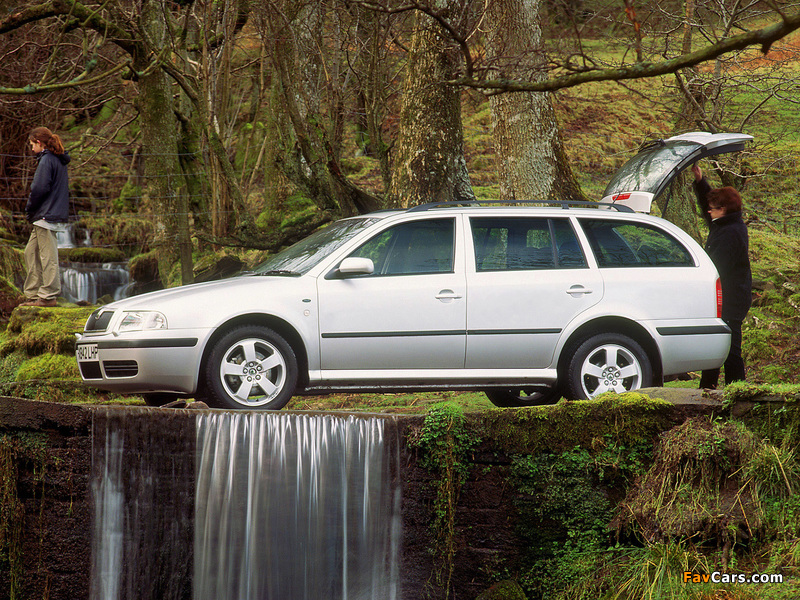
[[428, 163], [531, 160], [310, 136], [160, 128]]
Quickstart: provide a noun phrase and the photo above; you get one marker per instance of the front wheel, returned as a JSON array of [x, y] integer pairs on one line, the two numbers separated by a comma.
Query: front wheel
[[251, 367], [607, 362], [520, 397]]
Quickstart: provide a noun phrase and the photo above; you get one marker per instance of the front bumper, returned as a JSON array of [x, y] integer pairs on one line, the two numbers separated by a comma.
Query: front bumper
[[141, 364]]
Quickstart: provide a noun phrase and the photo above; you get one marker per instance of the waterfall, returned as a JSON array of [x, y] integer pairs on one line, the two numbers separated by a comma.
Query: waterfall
[[142, 491], [257, 506], [86, 282], [290, 506], [90, 281]]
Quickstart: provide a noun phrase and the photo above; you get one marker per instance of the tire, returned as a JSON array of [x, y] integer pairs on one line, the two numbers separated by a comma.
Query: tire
[[159, 398], [607, 362], [519, 397], [251, 367]]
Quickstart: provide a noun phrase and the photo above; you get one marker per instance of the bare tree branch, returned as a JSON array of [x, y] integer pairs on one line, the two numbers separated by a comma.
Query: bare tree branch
[[763, 37], [80, 80]]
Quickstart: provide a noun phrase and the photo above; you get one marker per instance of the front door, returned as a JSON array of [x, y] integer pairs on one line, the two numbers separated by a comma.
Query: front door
[[410, 313]]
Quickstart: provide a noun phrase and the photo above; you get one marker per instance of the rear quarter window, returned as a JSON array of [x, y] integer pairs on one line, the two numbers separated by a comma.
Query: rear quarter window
[[626, 244]]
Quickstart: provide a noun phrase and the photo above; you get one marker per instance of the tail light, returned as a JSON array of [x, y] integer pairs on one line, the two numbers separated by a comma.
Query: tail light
[[719, 298]]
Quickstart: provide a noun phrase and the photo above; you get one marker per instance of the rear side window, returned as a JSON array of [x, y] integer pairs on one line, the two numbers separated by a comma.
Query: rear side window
[[522, 244], [625, 244]]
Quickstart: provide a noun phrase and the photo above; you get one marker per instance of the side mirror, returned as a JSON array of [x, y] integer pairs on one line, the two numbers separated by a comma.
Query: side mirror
[[356, 266]]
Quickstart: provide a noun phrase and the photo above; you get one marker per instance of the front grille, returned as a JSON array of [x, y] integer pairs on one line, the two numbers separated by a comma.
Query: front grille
[[90, 370], [120, 368], [99, 320]]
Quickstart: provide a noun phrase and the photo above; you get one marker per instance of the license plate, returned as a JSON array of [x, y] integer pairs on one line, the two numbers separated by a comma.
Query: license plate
[[86, 352]]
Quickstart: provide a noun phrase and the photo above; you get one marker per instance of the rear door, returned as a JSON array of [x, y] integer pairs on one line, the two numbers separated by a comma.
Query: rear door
[[528, 281], [640, 180]]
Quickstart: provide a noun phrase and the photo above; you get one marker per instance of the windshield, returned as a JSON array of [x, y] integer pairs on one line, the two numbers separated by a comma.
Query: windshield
[[302, 256], [648, 169]]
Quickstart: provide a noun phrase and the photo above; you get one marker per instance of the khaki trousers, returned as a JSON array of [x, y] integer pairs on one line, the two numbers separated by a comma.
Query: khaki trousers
[[41, 260]]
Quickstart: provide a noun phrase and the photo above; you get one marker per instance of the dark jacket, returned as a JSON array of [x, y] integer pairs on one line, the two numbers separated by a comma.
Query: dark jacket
[[49, 199], [728, 247]]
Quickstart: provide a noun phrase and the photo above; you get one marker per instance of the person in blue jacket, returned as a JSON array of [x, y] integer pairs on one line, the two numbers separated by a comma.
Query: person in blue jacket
[[728, 246], [47, 210]]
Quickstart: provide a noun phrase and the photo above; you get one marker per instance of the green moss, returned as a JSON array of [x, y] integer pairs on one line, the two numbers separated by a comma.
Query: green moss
[[91, 255], [143, 268], [12, 261], [630, 418], [44, 330], [774, 412], [743, 390], [696, 488], [445, 440], [565, 506], [130, 232], [14, 449], [49, 366], [503, 590]]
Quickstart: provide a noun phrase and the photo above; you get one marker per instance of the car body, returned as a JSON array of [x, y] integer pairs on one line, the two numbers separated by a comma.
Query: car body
[[526, 303]]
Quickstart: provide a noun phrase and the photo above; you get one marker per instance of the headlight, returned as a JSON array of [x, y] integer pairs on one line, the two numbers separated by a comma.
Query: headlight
[[142, 320]]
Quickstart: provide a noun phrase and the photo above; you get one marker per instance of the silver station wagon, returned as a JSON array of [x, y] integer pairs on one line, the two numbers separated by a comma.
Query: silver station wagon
[[527, 303]]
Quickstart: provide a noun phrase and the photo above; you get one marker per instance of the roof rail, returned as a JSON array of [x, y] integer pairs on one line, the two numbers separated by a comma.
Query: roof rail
[[562, 204]]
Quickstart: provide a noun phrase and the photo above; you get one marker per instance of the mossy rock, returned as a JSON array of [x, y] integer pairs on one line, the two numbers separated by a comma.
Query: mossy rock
[[35, 331], [143, 270], [9, 297], [503, 590], [128, 231], [91, 255], [630, 418], [12, 262], [696, 487], [49, 366]]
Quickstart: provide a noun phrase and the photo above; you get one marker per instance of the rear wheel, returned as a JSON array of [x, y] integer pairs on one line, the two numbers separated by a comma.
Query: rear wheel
[[607, 362], [251, 367], [519, 397]]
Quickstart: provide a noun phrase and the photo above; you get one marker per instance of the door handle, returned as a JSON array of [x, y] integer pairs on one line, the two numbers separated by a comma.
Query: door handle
[[447, 296], [576, 290]]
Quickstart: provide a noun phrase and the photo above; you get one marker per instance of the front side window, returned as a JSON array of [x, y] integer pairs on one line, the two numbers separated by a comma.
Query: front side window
[[625, 244], [521, 244], [416, 247]]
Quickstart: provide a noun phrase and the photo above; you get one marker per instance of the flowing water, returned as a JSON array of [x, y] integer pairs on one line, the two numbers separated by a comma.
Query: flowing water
[[282, 506], [143, 492], [89, 281]]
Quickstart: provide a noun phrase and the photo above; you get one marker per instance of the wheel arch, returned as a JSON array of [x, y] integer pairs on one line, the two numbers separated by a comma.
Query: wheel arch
[[278, 325], [613, 324]]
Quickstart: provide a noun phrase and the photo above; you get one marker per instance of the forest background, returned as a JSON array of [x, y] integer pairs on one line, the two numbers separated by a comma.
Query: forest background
[[205, 135]]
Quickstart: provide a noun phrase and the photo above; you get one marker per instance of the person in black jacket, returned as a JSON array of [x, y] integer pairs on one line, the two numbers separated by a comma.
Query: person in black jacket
[[47, 209], [728, 246]]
